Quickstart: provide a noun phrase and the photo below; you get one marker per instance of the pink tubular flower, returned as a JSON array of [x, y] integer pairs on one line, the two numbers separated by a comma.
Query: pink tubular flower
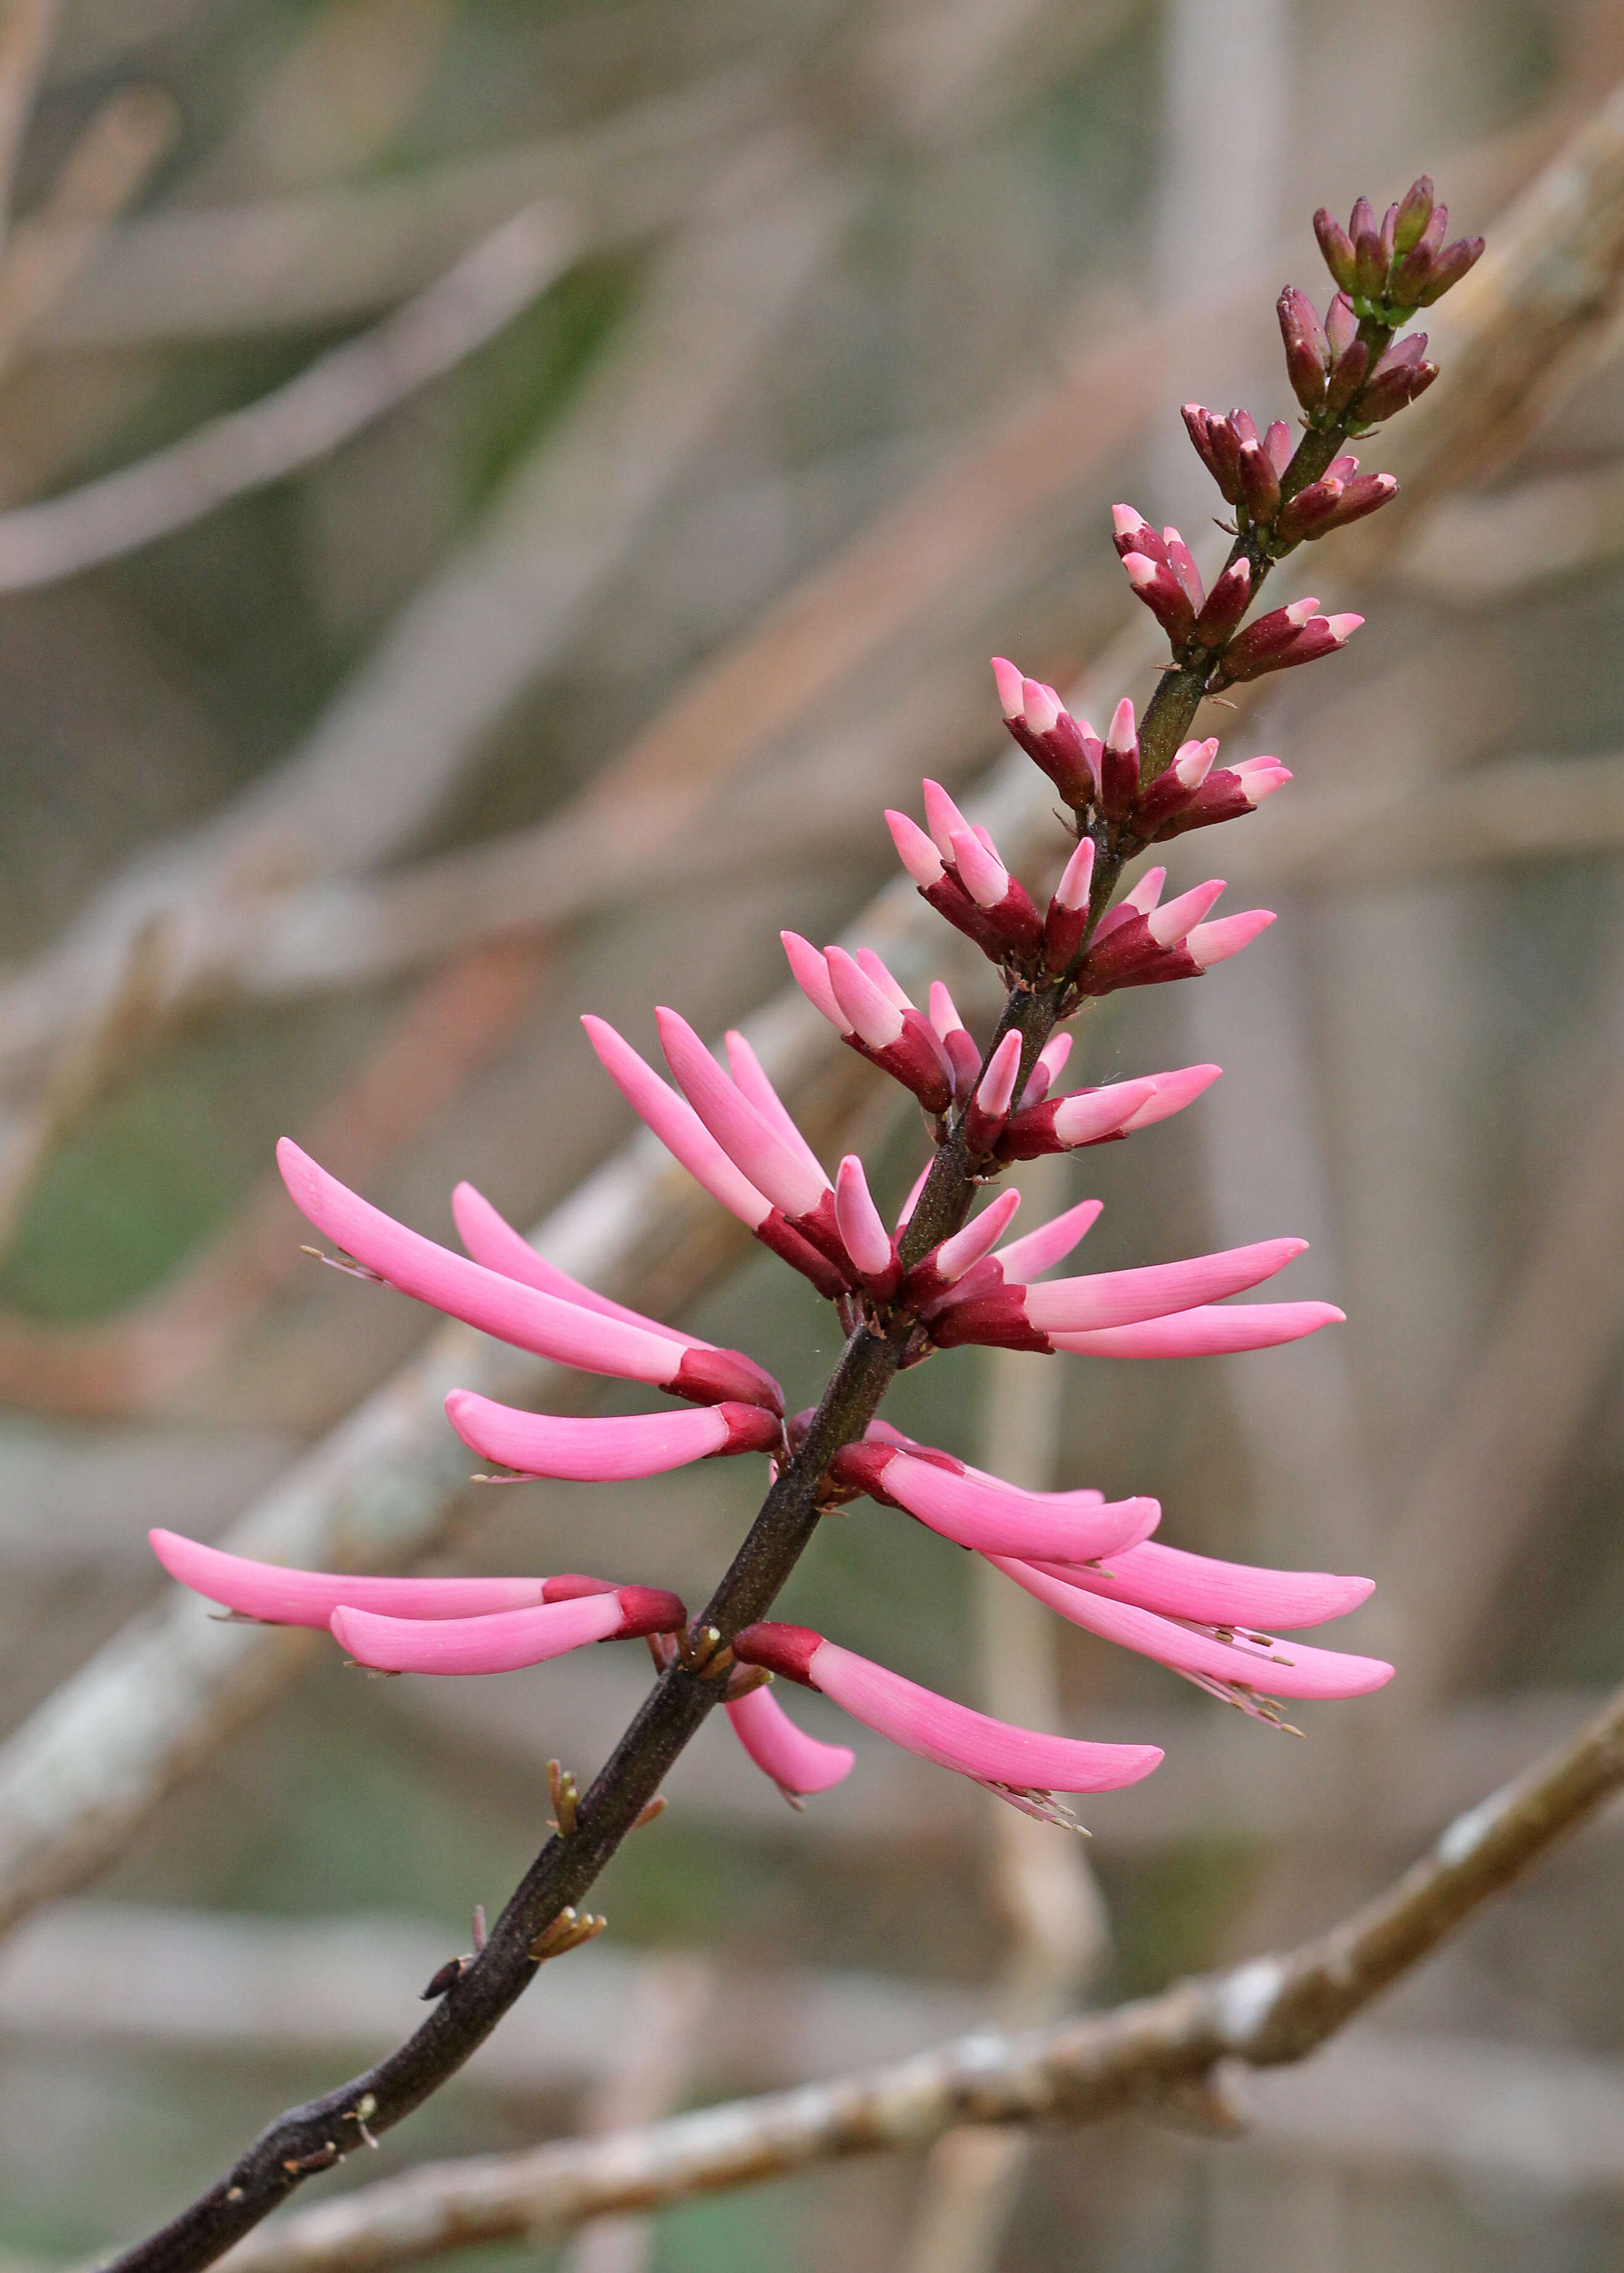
[[779, 1172], [609, 1450], [797, 1763], [1066, 748], [982, 1511], [1038, 1317], [1206, 1330], [1094, 1116], [513, 1312], [1047, 1069], [1020, 1764], [1243, 1667], [872, 1015], [988, 1108], [277, 1597], [1178, 1585], [864, 1234], [685, 1136], [504, 1640]]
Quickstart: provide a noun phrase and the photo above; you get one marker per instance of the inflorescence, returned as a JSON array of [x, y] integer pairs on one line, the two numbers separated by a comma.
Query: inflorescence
[[942, 1277]]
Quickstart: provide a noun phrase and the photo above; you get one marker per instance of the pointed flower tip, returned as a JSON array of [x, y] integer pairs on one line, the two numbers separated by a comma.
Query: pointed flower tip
[[1009, 685], [1123, 735], [797, 1763]]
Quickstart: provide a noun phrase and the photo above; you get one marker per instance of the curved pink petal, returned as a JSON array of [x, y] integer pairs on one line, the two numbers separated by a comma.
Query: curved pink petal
[[308, 1598], [1049, 1244], [608, 1450], [862, 1233], [1122, 1298], [500, 1643], [759, 1152], [1174, 1091], [810, 972], [954, 1737], [1207, 1331], [492, 1240], [1274, 1668], [750, 1080], [955, 1256], [797, 1763], [1215, 1593], [496, 1305], [676, 1124], [1084, 1116], [980, 1511]]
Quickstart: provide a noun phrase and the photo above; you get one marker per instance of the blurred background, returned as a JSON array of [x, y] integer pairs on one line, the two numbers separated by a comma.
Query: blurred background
[[494, 499]]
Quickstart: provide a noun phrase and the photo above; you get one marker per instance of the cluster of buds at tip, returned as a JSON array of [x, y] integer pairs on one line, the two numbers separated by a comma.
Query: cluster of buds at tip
[[1389, 266]]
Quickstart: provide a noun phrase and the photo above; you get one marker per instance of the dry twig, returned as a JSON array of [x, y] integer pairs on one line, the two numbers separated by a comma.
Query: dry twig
[[1161, 2056]]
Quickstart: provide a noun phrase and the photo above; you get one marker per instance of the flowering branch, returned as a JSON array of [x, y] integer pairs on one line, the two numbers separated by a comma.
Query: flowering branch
[[939, 1278], [1160, 2051]]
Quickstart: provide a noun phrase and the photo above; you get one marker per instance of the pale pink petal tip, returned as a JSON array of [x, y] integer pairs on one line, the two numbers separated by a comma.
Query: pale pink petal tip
[[1208, 1330], [797, 1763], [917, 853], [996, 1088], [862, 1233], [1009, 685], [1214, 942], [1172, 1092], [810, 973]]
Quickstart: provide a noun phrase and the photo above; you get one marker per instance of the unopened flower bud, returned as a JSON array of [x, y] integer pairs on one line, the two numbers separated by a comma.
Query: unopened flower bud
[[1308, 357], [1450, 266], [1412, 214], [1259, 483], [1130, 532], [1337, 246], [1308, 508], [1119, 762], [1346, 378], [1367, 495], [1230, 597], [1342, 325], [1155, 584]]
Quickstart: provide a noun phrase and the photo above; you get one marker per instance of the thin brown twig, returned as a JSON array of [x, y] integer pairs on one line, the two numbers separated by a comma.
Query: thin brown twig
[[1161, 2056]]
